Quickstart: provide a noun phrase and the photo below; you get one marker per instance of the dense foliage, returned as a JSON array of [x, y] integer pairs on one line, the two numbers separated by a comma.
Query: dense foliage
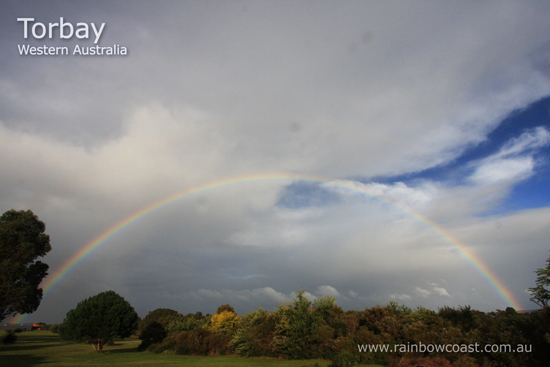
[[152, 333], [541, 293], [161, 315], [305, 329], [99, 319], [8, 337], [22, 241]]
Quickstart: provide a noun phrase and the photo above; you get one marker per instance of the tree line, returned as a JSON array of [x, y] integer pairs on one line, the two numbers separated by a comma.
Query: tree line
[[320, 329]]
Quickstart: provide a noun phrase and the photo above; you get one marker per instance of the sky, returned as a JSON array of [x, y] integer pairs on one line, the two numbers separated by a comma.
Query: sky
[[368, 151]]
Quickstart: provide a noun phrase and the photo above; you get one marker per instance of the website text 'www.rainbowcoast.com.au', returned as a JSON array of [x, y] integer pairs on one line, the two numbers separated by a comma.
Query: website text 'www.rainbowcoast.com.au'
[[445, 348]]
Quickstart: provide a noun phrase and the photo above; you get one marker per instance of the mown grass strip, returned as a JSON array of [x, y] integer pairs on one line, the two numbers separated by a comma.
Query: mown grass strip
[[44, 347]]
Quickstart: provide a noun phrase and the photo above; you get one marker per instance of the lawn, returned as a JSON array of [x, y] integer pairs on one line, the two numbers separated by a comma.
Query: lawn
[[35, 348]]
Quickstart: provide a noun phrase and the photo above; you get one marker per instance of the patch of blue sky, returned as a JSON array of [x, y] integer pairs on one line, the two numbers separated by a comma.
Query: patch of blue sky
[[456, 171], [532, 192], [306, 194]]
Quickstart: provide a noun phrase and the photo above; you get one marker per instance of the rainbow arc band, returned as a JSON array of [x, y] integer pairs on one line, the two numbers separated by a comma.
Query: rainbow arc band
[[53, 280]]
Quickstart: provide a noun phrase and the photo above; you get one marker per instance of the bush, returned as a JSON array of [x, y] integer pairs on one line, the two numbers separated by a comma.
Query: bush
[[345, 359], [54, 328], [187, 323], [226, 320], [419, 361], [153, 333], [8, 338], [255, 334], [203, 342], [462, 317], [297, 335]]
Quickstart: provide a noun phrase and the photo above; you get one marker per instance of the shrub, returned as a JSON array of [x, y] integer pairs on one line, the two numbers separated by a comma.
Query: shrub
[[297, 335], [8, 338], [515, 329], [463, 317], [203, 342], [382, 321], [419, 361], [187, 322], [345, 359], [153, 333], [226, 320], [244, 344], [254, 337], [344, 324]]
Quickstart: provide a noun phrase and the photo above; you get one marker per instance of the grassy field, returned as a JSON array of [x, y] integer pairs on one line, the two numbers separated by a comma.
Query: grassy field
[[37, 348]]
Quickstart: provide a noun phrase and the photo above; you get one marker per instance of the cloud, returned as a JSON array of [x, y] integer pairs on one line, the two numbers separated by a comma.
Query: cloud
[[327, 290], [514, 161], [401, 297], [258, 295], [418, 197], [441, 291], [422, 292], [503, 170], [532, 139]]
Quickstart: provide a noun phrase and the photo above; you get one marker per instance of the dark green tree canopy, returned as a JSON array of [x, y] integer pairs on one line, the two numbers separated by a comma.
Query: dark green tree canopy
[[541, 293], [22, 241], [98, 319], [161, 315]]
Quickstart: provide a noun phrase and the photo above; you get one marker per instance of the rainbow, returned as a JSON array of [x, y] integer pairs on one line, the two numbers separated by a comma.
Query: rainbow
[[53, 280]]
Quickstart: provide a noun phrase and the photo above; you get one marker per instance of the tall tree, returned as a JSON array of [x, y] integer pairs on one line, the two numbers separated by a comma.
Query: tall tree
[[99, 319], [541, 293], [22, 241]]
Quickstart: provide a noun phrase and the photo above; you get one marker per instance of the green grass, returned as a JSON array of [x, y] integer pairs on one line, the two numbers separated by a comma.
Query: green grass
[[37, 348]]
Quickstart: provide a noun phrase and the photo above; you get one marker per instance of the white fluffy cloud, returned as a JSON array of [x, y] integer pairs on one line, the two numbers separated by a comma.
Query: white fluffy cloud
[[441, 291], [513, 162], [327, 290]]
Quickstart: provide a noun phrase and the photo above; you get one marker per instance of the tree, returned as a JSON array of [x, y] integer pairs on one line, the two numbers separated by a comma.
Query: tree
[[300, 321], [22, 241], [541, 293], [99, 319]]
